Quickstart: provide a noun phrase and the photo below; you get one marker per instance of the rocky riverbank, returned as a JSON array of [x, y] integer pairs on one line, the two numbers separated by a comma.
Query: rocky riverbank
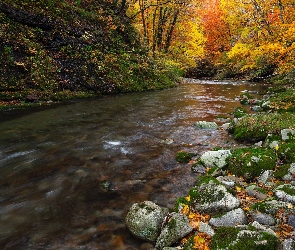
[[244, 198]]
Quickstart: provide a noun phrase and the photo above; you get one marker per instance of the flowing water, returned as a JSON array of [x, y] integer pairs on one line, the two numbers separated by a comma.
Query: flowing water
[[70, 172]]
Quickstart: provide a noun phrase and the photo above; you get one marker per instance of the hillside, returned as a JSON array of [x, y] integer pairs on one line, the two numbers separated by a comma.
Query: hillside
[[54, 50]]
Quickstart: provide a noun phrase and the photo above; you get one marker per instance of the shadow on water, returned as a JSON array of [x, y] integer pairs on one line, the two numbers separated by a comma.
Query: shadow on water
[[69, 173]]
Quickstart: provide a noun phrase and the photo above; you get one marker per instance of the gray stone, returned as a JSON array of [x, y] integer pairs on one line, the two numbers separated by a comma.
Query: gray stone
[[225, 126], [213, 198], [273, 206], [288, 244], [265, 176], [291, 220], [144, 220], [205, 228], [274, 144], [198, 169], [215, 158], [287, 133], [231, 218], [228, 181], [206, 125], [252, 190], [292, 168], [264, 219], [262, 228], [177, 227], [283, 195]]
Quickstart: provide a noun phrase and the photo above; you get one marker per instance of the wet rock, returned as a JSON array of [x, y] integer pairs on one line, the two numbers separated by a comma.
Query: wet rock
[[264, 219], [288, 244], [177, 227], [287, 134], [144, 220], [286, 193], [231, 218], [198, 169], [206, 125], [205, 228], [215, 158], [212, 198]]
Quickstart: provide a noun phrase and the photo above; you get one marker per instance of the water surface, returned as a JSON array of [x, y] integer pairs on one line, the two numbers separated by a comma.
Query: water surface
[[69, 173]]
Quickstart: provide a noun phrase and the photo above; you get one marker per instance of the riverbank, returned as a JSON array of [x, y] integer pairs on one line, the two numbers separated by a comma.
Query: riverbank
[[55, 51], [245, 197]]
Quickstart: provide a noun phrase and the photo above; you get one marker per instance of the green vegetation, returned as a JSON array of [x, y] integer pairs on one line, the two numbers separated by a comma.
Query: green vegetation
[[56, 50], [235, 239], [281, 171], [250, 162], [257, 127], [183, 157], [223, 237], [286, 152]]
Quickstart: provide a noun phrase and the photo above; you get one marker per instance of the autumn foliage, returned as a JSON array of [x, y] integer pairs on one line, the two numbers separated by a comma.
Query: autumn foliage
[[252, 37]]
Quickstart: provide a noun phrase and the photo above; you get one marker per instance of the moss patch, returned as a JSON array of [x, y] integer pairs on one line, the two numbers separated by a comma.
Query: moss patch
[[286, 152], [183, 157], [256, 128], [250, 162]]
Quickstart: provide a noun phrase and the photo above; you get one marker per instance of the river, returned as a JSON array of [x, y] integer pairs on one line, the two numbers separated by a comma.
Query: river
[[70, 172]]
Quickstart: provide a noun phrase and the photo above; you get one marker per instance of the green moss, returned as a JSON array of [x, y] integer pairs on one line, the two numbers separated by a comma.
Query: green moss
[[223, 237], [206, 179], [180, 202], [281, 171], [250, 162], [189, 245], [171, 224], [205, 195], [226, 238], [286, 152], [288, 189], [256, 128], [239, 112], [183, 157]]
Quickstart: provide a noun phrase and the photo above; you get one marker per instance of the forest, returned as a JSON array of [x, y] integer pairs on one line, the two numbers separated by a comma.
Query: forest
[[55, 50]]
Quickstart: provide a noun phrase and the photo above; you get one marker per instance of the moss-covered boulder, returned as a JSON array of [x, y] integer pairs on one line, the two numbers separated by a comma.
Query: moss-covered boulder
[[212, 159], [254, 128], [144, 220], [251, 162], [230, 238], [177, 227], [212, 198], [286, 152], [286, 193]]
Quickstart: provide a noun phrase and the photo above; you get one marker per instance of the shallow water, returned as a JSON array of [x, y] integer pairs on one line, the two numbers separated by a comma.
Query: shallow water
[[70, 172]]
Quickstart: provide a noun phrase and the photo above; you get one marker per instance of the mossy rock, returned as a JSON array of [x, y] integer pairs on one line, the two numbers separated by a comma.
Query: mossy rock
[[239, 112], [281, 171], [235, 239], [255, 128], [286, 152], [250, 162], [183, 157]]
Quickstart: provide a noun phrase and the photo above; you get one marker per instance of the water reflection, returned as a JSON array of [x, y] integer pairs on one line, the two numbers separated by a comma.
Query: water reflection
[[68, 174]]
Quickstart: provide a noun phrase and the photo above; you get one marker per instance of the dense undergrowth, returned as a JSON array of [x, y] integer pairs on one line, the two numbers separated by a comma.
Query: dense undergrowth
[[55, 50]]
